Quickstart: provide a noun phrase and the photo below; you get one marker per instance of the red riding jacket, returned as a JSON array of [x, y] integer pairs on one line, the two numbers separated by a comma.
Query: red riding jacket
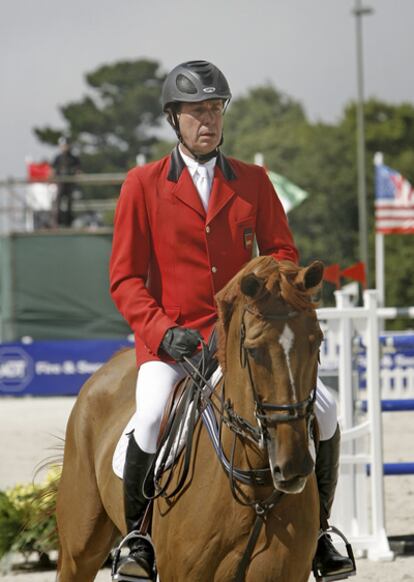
[[169, 258]]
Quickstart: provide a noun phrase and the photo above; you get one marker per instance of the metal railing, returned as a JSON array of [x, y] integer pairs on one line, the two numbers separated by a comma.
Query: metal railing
[[21, 199]]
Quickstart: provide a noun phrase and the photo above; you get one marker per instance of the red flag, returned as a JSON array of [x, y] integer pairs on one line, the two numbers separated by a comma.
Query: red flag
[[41, 171], [356, 272], [332, 274]]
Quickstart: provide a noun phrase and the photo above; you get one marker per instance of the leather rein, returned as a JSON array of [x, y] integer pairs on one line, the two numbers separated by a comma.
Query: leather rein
[[195, 399], [267, 415]]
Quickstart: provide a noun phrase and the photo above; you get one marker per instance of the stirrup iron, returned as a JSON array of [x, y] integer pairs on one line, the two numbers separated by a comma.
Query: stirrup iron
[[117, 577], [333, 577]]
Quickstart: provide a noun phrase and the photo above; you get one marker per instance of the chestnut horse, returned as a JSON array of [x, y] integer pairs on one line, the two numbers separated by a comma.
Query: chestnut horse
[[269, 341]]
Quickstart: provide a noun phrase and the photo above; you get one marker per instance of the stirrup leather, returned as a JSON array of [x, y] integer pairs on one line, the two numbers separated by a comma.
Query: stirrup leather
[[118, 577], [332, 578]]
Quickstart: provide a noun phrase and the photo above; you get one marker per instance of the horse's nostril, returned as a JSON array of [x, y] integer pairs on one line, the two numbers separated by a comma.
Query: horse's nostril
[[277, 472], [292, 469]]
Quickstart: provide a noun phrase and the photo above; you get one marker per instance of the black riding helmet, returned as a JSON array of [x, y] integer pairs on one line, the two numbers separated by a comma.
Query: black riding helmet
[[192, 82]]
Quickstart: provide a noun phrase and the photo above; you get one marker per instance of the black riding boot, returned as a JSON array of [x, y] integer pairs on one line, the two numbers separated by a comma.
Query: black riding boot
[[140, 561], [328, 562]]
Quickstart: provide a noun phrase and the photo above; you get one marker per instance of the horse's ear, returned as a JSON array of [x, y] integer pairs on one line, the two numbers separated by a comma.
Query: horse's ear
[[313, 275], [251, 285]]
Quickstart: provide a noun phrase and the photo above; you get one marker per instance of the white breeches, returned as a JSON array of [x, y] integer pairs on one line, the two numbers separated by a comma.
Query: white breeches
[[157, 379], [154, 385]]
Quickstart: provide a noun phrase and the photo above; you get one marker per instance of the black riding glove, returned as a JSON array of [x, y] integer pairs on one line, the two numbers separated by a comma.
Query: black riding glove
[[180, 341]]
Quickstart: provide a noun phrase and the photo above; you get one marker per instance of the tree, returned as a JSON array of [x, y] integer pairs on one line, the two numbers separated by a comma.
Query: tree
[[321, 159], [317, 157], [117, 119], [326, 224], [265, 120], [390, 130], [120, 117]]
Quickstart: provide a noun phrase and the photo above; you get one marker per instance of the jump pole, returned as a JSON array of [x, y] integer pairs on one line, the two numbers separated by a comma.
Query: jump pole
[[381, 549]]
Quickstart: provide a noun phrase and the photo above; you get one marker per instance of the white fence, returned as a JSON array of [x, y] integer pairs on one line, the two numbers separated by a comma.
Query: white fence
[[359, 506], [396, 361]]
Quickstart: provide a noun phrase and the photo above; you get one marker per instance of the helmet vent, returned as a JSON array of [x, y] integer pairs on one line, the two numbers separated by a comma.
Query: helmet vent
[[204, 70], [185, 85]]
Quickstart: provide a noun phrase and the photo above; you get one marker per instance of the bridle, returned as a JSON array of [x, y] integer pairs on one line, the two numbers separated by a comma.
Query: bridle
[[266, 414]]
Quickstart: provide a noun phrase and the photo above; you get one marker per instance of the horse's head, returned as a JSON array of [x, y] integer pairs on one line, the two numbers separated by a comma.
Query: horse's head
[[269, 340]]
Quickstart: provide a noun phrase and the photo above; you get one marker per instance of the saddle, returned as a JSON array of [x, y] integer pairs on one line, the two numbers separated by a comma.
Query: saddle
[[185, 393], [210, 365]]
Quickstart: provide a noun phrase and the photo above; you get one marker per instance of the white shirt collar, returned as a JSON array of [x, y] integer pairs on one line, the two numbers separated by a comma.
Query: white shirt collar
[[192, 165]]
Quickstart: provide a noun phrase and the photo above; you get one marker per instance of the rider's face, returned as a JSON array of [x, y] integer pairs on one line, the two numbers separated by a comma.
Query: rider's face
[[201, 125]]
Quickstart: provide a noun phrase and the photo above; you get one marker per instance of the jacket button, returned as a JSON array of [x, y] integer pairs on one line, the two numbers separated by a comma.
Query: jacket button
[[207, 229], [214, 269]]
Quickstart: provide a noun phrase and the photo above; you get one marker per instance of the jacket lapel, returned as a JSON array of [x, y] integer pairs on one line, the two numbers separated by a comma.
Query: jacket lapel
[[221, 194], [185, 191]]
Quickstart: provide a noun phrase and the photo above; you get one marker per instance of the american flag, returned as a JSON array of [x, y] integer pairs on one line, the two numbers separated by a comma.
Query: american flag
[[394, 202]]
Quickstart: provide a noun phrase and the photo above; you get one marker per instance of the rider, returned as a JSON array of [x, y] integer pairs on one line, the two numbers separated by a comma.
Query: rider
[[184, 226]]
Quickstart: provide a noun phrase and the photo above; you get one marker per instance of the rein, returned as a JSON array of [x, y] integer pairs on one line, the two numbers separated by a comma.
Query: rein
[[196, 400], [281, 413], [187, 408]]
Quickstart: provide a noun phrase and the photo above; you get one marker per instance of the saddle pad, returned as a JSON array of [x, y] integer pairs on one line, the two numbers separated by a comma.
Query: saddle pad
[[118, 459]]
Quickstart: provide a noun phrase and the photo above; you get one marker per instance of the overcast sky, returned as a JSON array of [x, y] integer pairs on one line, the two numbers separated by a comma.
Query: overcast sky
[[306, 48]]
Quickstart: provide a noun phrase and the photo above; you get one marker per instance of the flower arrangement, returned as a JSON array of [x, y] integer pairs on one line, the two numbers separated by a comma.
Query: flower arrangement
[[27, 517]]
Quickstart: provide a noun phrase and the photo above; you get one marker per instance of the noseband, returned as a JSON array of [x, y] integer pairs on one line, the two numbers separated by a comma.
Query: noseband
[[270, 415], [267, 415]]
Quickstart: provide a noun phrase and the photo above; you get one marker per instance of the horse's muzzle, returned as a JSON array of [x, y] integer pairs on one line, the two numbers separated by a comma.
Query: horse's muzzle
[[291, 475], [293, 486]]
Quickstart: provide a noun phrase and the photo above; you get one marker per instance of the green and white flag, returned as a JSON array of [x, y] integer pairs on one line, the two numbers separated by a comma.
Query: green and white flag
[[289, 194]]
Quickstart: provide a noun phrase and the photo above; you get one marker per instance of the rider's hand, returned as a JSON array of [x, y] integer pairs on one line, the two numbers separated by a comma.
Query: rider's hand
[[180, 341]]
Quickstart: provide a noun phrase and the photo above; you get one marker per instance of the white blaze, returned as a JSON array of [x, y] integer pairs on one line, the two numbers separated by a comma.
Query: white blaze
[[286, 341]]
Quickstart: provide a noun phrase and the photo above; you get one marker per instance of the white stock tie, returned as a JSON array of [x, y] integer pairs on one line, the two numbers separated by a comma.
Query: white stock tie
[[203, 185]]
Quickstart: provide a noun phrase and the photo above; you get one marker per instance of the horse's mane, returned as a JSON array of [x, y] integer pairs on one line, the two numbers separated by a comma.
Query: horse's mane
[[282, 279]]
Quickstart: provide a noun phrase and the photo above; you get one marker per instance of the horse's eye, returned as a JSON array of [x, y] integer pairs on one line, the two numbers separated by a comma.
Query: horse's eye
[[316, 339]]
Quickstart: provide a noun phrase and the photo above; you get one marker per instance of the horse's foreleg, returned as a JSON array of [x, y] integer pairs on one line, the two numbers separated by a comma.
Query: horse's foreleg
[[83, 566], [86, 534]]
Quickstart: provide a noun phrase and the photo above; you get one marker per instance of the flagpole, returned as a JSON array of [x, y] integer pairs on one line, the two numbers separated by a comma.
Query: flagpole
[[380, 268], [360, 11], [379, 251]]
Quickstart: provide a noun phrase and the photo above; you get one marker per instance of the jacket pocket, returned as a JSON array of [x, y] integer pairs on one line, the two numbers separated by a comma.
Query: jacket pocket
[[249, 221]]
